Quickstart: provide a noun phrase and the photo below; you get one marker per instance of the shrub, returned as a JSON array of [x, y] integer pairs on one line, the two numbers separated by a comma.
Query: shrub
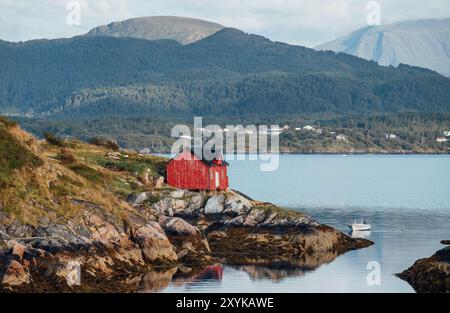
[[66, 157], [87, 172], [13, 156], [54, 140], [7, 122], [108, 143]]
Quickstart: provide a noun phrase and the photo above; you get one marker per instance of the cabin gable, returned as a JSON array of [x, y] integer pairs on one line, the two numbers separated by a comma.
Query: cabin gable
[[188, 171]]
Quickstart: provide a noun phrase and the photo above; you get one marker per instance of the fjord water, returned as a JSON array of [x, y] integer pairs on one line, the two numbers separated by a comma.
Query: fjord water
[[405, 198]]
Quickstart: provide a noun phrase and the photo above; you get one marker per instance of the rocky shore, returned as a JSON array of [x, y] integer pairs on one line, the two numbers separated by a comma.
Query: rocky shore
[[430, 275], [169, 229], [76, 217]]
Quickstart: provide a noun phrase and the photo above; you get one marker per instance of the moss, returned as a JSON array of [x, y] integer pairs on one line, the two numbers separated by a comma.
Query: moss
[[87, 172], [13, 156], [153, 198], [269, 209], [134, 164]]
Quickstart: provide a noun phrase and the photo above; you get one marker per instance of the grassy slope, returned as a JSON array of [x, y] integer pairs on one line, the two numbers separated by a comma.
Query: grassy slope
[[38, 179]]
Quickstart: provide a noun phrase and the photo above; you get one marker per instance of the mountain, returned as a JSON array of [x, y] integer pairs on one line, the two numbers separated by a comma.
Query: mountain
[[182, 29], [230, 73], [423, 43]]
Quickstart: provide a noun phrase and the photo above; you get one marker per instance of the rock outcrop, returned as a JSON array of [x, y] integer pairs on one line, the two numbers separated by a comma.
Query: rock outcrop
[[77, 217], [430, 275]]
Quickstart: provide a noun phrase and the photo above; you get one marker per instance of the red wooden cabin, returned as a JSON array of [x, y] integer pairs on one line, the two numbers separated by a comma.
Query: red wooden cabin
[[189, 171]]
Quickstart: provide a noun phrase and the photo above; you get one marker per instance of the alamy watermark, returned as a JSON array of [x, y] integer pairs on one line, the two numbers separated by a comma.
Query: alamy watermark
[[374, 13], [74, 15], [236, 141], [374, 276]]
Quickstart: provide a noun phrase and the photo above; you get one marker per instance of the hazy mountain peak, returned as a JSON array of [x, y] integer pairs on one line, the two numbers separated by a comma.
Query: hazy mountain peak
[[182, 29], [424, 43]]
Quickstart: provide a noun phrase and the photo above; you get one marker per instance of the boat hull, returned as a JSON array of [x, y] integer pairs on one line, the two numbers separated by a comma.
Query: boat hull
[[359, 227]]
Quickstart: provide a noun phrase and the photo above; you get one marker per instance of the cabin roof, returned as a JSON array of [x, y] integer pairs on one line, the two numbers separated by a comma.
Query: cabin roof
[[209, 163]]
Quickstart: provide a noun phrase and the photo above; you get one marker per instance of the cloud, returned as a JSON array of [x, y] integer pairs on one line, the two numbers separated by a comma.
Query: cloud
[[307, 22]]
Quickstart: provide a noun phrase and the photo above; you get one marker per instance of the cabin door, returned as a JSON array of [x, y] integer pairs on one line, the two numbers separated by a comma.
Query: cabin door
[[217, 180]]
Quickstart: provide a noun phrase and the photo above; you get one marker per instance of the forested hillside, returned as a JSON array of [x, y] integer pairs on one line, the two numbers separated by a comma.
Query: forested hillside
[[229, 74]]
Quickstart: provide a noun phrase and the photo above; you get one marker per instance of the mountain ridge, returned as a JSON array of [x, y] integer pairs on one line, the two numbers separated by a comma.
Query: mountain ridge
[[424, 43], [184, 30], [230, 72]]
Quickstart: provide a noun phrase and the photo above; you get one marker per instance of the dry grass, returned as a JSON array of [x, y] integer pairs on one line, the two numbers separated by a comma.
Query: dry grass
[[33, 187]]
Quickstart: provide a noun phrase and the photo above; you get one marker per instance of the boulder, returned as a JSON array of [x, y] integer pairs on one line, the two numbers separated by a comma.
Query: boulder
[[17, 249], [430, 275], [179, 227], [137, 198], [15, 274], [164, 206], [237, 204], [179, 205], [195, 204], [178, 194], [107, 235], [254, 217], [192, 247], [159, 182], [215, 205], [154, 244]]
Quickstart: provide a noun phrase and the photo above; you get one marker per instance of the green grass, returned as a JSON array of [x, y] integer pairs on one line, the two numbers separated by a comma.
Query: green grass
[[134, 164], [281, 212], [87, 172], [13, 156]]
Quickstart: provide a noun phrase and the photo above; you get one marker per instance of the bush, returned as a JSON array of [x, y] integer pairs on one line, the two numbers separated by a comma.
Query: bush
[[14, 156], [53, 140], [66, 157], [7, 122], [103, 142]]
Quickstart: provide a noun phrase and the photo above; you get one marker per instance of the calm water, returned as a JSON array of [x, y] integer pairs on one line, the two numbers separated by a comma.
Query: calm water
[[405, 198]]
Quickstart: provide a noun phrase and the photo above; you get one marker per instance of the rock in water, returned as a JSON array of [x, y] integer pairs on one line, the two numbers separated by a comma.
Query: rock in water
[[154, 244], [431, 274]]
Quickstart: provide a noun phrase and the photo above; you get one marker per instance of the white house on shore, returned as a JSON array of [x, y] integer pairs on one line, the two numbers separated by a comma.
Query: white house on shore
[[341, 137], [309, 128], [441, 139], [390, 136]]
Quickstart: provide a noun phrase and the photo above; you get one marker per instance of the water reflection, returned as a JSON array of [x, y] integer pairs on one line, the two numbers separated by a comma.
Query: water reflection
[[158, 280], [212, 275], [365, 234]]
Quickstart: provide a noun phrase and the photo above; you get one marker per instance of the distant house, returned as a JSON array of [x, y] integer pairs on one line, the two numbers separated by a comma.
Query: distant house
[[441, 139], [318, 131], [341, 137], [145, 151], [390, 136], [447, 133], [189, 171], [309, 128]]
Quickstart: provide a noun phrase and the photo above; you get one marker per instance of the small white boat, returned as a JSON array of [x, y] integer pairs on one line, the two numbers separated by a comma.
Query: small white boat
[[360, 226]]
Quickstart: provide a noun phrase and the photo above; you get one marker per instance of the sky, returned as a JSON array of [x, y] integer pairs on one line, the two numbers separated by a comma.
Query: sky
[[304, 22]]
